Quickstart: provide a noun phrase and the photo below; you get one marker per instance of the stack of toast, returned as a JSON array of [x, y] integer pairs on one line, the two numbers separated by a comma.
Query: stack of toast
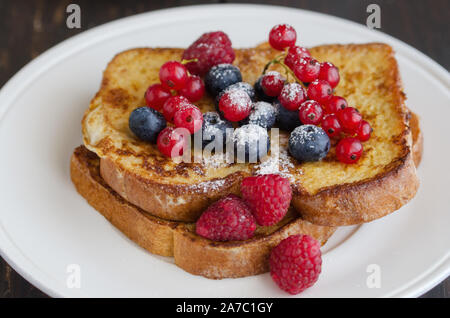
[[156, 201]]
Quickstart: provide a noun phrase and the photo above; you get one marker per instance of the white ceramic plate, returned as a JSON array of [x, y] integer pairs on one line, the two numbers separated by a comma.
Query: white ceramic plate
[[45, 225]]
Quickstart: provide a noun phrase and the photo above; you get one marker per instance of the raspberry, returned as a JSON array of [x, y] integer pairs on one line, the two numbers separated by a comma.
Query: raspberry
[[228, 219], [210, 49], [296, 263], [268, 196]]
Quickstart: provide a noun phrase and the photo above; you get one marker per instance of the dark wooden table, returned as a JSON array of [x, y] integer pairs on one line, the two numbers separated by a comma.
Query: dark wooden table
[[28, 28]]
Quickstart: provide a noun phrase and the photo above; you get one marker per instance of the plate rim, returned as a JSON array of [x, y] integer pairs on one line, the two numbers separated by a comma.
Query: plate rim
[[12, 88]]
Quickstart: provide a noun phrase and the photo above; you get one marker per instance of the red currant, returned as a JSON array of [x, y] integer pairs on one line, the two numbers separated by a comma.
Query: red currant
[[272, 83], [171, 142], [306, 70], [334, 104], [320, 91], [310, 113], [331, 125], [156, 95], [295, 54], [171, 106], [330, 73], [282, 36], [349, 150], [364, 131], [350, 119], [235, 105], [194, 89], [189, 117], [173, 75], [292, 96]]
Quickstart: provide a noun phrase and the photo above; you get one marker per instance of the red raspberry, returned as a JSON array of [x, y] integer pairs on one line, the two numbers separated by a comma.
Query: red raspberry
[[171, 142], [272, 83], [306, 70], [292, 96], [194, 89], [296, 263], [156, 95], [210, 49], [173, 75], [320, 91], [235, 105], [173, 104], [282, 36], [349, 150], [331, 125], [295, 54], [350, 119], [334, 104], [310, 113], [330, 73], [189, 117], [269, 197], [228, 219], [364, 131]]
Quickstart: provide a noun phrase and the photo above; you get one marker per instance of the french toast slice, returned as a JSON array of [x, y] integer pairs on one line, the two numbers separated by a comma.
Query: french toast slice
[[326, 192], [191, 252]]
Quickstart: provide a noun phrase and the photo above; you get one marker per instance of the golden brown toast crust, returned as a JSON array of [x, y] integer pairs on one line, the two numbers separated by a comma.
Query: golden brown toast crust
[[192, 253], [164, 195]]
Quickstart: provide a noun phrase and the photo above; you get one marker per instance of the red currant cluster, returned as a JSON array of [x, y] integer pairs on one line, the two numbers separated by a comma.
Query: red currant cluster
[[311, 94], [174, 98]]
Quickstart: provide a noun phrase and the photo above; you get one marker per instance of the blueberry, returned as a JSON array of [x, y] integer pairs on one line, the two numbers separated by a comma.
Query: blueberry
[[212, 126], [287, 120], [309, 143], [220, 77], [146, 123], [262, 114], [251, 143], [260, 95]]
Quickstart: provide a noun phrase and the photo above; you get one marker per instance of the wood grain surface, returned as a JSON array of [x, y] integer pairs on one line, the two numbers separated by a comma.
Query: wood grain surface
[[28, 28]]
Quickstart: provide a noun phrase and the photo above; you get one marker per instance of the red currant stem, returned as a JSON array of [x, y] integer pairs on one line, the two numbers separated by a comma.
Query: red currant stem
[[280, 60], [188, 61]]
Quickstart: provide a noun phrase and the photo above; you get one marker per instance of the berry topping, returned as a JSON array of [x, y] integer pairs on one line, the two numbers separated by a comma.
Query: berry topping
[[214, 127], [350, 119], [210, 49], [262, 114], [251, 143], [194, 89], [331, 125], [282, 36], [296, 263], [309, 143], [171, 142], [156, 95], [287, 120], [334, 104], [189, 117], [320, 91], [269, 197], [295, 54], [272, 83], [243, 86], [228, 219], [330, 73], [171, 106], [146, 123], [292, 96], [235, 105], [364, 131], [260, 92], [220, 77], [306, 70], [310, 112], [349, 150], [173, 75]]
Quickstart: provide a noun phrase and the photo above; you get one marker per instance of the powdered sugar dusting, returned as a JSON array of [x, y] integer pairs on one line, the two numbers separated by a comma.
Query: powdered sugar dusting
[[208, 186], [277, 164]]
